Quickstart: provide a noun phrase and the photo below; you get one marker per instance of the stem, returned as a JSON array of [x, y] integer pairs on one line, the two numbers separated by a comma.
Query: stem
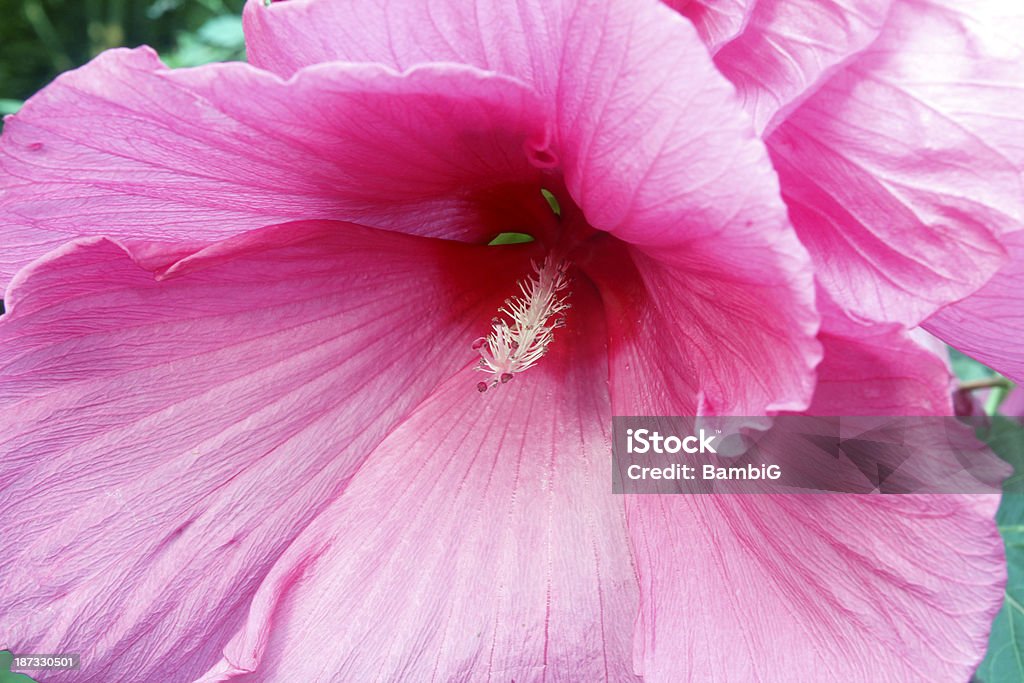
[[987, 383]]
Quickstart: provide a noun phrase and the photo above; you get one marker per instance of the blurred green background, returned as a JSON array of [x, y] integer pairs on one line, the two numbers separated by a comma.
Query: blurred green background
[[41, 38]]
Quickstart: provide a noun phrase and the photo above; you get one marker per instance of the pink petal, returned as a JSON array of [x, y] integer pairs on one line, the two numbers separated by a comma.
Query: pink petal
[[127, 148], [507, 37], [1013, 406], [478, 542], [978, 50], [707, 335], [790, 47], [821, 587], [897, 184], [166, 440], [717, 21], [651, 139], [667, 163], [815, 587], [877, 370], [989, 324]]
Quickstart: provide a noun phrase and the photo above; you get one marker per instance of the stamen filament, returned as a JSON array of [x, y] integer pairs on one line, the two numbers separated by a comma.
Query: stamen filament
[[521, 337]]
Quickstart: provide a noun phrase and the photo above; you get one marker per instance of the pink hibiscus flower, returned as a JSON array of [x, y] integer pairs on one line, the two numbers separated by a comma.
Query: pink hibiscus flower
[[248, 305]]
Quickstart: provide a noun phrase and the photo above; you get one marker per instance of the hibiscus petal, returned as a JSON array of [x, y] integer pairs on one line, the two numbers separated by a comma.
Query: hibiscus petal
[[717, 21], [790, 47], [897, 171], [820, 587], [510, 37], [667, 163], [127, 148], [478, 542], [878, 370], [815, 587], [989, 324], [166, 440], [704, 337], [652, 157], [1013, 406]]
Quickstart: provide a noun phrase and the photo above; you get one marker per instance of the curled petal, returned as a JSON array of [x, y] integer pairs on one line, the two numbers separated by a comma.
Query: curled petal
[[652, 142], [790, 47], [127, 148], [717, 21], [989, 324], [902, 173], [878, 369]]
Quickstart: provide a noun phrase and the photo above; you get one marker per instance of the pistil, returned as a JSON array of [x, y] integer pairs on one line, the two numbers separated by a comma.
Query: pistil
[[525, 327]]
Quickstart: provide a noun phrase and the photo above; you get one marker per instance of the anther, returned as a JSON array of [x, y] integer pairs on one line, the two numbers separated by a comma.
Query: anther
[[522, 335]]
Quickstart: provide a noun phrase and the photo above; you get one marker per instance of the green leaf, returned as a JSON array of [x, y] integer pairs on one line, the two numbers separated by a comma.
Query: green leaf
[[224, 32], [9, 106], [510, 238], [552, 201], [1004, 660], [6, 676], [966, 368], [218, 40]]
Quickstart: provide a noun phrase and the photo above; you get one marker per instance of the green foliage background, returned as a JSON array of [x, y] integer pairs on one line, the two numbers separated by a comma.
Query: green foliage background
[[39, 39], [6, 675], [1005, 658]]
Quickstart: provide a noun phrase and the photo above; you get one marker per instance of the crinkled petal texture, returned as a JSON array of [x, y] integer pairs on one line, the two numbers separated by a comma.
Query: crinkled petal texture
[[790, 47], [167, 440], [989, 324], [897, 171], [717, 21], [125, 147], [478, 542], [668, 164]]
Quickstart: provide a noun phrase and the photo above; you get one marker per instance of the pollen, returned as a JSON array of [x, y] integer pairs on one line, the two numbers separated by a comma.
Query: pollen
[[525, 327]]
